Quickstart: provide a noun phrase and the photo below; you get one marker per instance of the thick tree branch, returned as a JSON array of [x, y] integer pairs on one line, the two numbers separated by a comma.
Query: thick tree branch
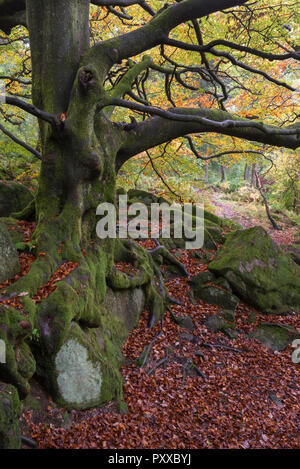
[[161, 128], [206, 117]]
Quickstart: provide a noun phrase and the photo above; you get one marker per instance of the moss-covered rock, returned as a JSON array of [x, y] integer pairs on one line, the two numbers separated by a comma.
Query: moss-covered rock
[[259, 271], [10, 437], [15, 231], [202, 278], [126, 305], [137, 195], [14, 197], [275, 336], [9, 265], [223, 222]]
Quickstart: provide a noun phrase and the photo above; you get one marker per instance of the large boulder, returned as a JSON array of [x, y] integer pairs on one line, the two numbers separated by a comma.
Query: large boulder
[[9, 265], [14, 197], [259, 271], [19, 364]]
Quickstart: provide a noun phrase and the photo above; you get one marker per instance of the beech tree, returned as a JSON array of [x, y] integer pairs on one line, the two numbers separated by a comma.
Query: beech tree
[[74, 94]]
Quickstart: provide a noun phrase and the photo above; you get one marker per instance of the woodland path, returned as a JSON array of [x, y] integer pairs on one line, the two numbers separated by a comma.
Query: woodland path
[[226, 209]]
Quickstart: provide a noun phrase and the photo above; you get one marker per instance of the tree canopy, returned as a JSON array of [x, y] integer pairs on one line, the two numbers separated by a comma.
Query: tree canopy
[[212, 66]]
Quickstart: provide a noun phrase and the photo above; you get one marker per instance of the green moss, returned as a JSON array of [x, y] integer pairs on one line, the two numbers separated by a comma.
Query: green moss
[[216, 296], [223, 321], [9, 265]]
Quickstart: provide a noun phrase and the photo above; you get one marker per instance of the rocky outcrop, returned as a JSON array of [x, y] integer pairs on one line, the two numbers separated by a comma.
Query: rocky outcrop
[[294, 251], [259, 271]]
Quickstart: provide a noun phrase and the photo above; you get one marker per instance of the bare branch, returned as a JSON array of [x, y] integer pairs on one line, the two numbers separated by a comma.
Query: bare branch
[[31, 109], [230, 57], [125, 84], [124, 4]]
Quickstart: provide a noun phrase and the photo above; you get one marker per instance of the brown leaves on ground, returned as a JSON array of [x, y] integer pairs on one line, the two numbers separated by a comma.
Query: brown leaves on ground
[[249, 399]]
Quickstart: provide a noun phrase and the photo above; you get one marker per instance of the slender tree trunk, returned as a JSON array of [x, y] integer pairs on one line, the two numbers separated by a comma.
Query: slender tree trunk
[[206, 173], [262, 193], [253, 175], [223, 173]]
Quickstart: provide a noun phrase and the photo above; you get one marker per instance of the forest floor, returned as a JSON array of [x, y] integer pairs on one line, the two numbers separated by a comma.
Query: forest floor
[[245, 396]]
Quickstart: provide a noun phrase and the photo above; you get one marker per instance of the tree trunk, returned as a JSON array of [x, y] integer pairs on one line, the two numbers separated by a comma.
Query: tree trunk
[[246, 173]]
